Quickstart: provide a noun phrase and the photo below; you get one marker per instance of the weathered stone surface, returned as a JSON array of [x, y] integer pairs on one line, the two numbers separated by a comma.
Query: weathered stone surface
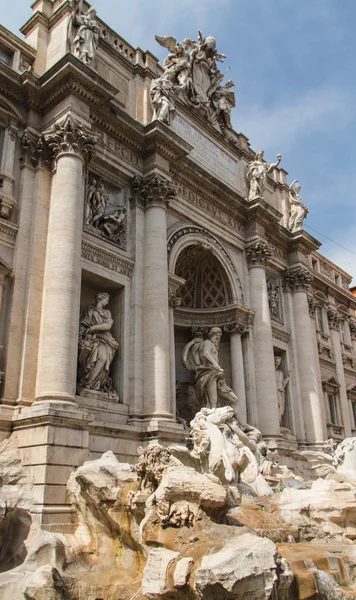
[[182, 572], [155, 575], [44, 584], [45, 549], [244, 569]]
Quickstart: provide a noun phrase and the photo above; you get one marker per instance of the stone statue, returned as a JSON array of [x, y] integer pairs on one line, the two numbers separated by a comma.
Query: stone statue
[[191, 74], [223, 100], [201, 357], [297, 210], [281, 383], [87, 31], [337, 463], [113, 225], [96, 347], [274, 299], [256, 175]]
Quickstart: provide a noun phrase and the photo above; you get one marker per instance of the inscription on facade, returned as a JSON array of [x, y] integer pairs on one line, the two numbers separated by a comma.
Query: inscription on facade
[[208, 207], [206, 153], [121, 151]]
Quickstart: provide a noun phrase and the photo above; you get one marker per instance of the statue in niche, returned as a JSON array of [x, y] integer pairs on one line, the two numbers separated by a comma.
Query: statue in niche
[[191, 74], [274, 300], [281, 384], [87, 32], [111, 225], [297, 210], [201, 357], [96, 347], [256, 175]]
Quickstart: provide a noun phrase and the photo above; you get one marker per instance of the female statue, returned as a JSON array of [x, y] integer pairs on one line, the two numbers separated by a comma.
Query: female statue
[[297, 211], [86, 39], [96, 347]]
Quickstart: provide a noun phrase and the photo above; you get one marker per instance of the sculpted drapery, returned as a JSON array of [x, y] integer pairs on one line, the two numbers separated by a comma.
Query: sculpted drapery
[[96, 347]]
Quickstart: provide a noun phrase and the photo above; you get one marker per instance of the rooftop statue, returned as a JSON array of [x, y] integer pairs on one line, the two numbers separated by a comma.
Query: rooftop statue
[[84, 31], [191, 74], [297, 210], [256, 175]]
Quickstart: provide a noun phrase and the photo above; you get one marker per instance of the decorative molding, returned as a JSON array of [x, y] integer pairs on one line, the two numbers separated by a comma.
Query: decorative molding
[[258, 254], [153, 190], [279, 332], [174, 301], [222, 317], [36, 150], [334, 318], [105, 258], [213, 242], [71, 137], [297, 279], [239, 328], [8, 228]]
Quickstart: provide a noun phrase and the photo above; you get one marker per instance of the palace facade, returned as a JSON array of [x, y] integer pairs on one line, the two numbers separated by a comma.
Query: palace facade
[[133, 219]]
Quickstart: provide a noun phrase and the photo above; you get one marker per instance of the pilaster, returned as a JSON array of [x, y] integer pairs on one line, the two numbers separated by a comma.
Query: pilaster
[[334, 320]]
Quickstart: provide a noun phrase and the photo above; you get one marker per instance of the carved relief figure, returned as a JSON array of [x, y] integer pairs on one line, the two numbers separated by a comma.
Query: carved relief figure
[[96, 347], [191, 74], [297, 210], [86, 38], [111, 225], [274, 300], [201, 357], [281, 383], [257, 175]]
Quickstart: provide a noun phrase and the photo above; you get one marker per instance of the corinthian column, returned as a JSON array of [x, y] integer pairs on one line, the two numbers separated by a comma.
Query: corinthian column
[[334, 325], [297, 280], [154, 193], [57, 360], [237, 366], [257, 255]]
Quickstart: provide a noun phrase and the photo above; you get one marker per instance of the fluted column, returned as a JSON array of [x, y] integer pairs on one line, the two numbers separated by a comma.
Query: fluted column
[[334, 320], [297, 280], [57, 360], [237, 366], [258, 254], [154, 193]]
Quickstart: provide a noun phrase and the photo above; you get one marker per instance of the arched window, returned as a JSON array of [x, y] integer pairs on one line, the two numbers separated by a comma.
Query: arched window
[[207, 284]]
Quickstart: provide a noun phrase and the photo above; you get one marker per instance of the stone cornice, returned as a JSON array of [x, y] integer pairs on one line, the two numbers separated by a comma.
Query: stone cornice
[[297, 279], [261, 212], [70, 76], [228, 316], [105, 258], [300, 240], [239, 328], [325, 284], [9, 230], [279, 332], [258, 253], [210, 189], [159, 138]]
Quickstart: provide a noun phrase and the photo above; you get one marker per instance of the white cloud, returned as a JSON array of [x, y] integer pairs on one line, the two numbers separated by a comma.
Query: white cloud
[[294, 118]]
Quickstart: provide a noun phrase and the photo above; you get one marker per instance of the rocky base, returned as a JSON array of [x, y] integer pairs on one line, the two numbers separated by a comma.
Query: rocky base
[[173, 533]]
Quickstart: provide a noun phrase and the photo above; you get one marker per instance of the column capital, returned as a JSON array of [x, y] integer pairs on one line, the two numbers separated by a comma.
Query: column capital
[[297, 279], [334, 318], [36, 150], [174, 301], [312, 304], [236, 328], [71, 137], [352, 325], [154, 190], [258, 254]]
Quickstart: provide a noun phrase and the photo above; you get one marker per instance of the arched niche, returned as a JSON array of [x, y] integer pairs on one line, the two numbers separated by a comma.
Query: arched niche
[[184, 241]]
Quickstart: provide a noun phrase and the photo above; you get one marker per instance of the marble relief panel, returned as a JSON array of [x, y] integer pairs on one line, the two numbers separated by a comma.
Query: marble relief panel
[[105, 214]]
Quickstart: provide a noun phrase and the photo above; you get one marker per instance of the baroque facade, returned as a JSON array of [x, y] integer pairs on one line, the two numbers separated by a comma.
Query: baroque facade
[[136, 226]]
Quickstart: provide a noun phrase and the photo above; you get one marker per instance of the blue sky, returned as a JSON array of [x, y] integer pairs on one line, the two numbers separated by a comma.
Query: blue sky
[[293, 63]]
